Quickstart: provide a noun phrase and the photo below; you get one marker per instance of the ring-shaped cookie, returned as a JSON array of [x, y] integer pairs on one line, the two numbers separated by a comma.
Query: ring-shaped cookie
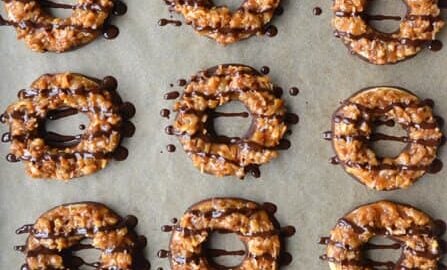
[[415, 233], [62, 230], [222, 156], [44, 32], [60, 157], [417, 29], [223, 25], [253, 223], [353, 129]]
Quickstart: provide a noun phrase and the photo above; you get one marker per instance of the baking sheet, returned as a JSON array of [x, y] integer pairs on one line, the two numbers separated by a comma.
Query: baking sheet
[[310, 193]]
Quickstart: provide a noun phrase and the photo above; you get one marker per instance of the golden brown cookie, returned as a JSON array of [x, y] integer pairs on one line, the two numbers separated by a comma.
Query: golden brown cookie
[[353, 130], [61, 231], [221, 155], [223, 25], [413, 231], [418, 29], [252, 222], [43, 32], [52, 96]]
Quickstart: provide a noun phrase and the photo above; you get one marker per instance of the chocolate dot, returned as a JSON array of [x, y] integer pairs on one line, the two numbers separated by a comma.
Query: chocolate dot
[[121, 153], [171, 148], [294, 91], [119, 8], [127, 110], [110, 32], [109, 83], [127, 129]]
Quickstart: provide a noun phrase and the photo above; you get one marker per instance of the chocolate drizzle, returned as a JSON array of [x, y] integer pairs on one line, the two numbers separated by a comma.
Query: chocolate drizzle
[[109, 31], [433, 45], [209, 253], [61, 142], [71, 261]]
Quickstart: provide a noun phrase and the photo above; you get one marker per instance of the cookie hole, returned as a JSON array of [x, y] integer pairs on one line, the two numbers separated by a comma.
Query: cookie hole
[[59, 10], [86, 254], [230, 120], [383, 249], [63, 127], [387, 15], [225, 250], [385, 147], [233, 5]]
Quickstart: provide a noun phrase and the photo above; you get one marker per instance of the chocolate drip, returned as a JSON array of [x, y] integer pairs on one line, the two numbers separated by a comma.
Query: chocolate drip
[[279, 11], [172, 95], [110, 32], [170, 148], [270, 31], [288, 231], [120, 153], [278, 91], [317, 11], [291, 118], [165, 113], [12, 158], [164, 22], [294, 91], [21, 249], [253, 169], [285, 259], [6, 137], [119, 8], [265, 70]]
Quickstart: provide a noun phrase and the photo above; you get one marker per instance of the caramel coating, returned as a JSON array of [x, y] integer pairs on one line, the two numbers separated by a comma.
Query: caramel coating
[[248, 219], [414, 230], [215, 87], [60, 231], [353, 127], [43, 32], [420, 26], [26, 118], [223, 25]]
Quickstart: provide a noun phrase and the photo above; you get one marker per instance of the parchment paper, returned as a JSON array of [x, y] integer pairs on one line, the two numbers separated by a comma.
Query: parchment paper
[[310, 193]]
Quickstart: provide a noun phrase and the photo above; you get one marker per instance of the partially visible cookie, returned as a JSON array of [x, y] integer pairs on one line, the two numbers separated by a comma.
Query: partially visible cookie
[[61, 231]]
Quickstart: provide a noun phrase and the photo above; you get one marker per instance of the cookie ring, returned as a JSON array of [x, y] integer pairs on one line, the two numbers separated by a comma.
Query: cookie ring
[[414, 232], [223, 156], [223, 25], [353, 128], [419, 27], [253, 223], [52, 96], [60, 231], [43, 32]]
